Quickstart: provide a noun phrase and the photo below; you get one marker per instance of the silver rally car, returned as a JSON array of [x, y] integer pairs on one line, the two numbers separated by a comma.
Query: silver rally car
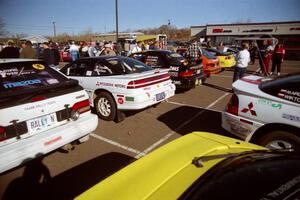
[[266, 111], [41, 110]]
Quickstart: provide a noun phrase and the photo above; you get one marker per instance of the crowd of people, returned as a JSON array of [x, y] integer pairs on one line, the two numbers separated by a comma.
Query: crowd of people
[[50, 53], [265, 51]]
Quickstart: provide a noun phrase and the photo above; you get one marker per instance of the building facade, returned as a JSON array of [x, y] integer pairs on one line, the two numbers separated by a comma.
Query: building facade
[[287, 32]]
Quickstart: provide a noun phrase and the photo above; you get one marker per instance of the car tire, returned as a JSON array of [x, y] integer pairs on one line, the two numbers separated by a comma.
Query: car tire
[[105, 106], [282, 140]]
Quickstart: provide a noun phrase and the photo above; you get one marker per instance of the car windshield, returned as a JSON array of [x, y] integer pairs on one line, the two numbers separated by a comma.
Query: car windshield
[[175, 58], [208, 54], [252, 175], [127, 65], [16, 77]]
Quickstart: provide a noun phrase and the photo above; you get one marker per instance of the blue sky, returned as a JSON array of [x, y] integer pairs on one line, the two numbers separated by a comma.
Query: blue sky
[[36, 17]]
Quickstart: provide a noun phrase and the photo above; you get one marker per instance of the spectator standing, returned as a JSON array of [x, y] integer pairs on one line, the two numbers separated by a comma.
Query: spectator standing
[[119, 49], [261, 55], [252, 50], [242, 60], [28, 51], [56, 55], [268, 57], [194, 51], [92, 51], [108, 50], [126, 48], [84, 50], [221, 47], [137, 48], [74, 51], [277, 58], [10, 51], [48, 55]]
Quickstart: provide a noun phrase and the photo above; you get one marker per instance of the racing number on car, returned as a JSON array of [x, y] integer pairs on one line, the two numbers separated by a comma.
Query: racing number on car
[[250, 108]]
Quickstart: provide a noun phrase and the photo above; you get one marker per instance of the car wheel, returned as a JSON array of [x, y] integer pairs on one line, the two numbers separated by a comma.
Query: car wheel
[[281, 140], [105, 106]]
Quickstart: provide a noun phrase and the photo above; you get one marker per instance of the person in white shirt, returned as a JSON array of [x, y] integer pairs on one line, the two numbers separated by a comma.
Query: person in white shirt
[[74, 50], [137, 48], [242, 61]]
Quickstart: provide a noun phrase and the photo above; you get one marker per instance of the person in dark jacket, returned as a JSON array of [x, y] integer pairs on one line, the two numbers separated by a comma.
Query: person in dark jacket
[[10, 51], [51, 56]]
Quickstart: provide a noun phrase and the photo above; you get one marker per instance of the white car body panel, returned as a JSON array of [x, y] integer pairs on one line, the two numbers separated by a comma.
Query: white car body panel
[[256, 109], [117, 86], [45, 136]]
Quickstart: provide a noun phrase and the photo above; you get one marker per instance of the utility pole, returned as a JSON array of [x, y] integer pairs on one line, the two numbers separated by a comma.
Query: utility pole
[[117, 22], [54, 30]]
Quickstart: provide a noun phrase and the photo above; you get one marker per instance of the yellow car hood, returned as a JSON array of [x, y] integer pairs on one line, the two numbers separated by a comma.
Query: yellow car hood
[[168, 171]]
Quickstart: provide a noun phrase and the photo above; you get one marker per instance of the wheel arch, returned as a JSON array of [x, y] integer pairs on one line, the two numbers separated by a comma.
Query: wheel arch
[[98, 91], [274, 127]]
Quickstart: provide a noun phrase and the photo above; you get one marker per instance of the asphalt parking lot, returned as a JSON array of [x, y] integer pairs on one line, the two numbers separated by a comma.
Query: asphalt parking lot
[[112, 146]]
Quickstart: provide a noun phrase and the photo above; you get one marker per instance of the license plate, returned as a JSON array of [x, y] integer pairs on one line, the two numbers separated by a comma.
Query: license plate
[[41, 123], [173, 74], [160, 96]]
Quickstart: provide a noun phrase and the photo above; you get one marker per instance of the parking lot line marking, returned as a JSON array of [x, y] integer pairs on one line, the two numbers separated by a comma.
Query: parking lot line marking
[[216, 101], [117, 144], [156, 144]]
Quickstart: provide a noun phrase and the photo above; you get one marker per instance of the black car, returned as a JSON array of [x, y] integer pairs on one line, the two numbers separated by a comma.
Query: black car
[[184, 74]]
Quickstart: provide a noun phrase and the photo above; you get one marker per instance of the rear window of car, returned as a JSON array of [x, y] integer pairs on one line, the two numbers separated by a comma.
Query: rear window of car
[[175, 58], [127, 65], [16, 76]]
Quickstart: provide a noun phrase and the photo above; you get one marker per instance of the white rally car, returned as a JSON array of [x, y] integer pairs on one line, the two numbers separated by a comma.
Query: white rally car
[[40, 110], [265, 111], [116, 83]]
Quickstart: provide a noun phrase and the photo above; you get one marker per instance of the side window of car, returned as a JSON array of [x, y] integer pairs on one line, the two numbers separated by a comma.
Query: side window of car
[[139, 57], [99, 69], [288, 88], [78, 69]]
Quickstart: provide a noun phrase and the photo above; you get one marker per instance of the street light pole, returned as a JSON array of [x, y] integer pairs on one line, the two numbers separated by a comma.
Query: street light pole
[[117, 22], [54, 29]]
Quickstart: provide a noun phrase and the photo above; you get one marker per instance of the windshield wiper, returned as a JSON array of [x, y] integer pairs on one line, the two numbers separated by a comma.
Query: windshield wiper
[[198, 161]]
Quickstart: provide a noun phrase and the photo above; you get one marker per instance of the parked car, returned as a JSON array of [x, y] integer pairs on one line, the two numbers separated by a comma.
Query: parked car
[[266, 111], [204, 166], [227, 60], [209, 61], [116, 83], [183, 74], [40, 111]]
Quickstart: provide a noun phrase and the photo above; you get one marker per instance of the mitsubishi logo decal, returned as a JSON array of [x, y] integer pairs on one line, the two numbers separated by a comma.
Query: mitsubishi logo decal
[[250, 108]]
